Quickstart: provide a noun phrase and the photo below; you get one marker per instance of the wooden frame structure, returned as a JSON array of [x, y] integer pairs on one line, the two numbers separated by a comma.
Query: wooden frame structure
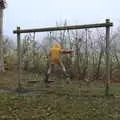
[[107, 25], [2, 7]]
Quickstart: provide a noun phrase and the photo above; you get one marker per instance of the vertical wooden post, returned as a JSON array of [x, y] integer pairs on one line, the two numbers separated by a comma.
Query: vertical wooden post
[[107, 81], [86, 51], [19, 59], [1, 42], [50, 40]]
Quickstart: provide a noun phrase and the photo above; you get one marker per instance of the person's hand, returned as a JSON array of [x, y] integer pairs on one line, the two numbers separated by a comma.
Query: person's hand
[[67, 51], [71, 51]]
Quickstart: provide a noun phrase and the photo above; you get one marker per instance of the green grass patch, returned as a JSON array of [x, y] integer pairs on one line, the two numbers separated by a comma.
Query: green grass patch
[[60, 101], [53, 106]]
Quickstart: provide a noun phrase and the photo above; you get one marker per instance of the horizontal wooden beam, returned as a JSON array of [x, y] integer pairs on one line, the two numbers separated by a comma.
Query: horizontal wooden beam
[[48, 29]]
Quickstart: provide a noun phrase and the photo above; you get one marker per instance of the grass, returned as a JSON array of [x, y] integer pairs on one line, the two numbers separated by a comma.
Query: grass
[[58, 107], [60, 101]]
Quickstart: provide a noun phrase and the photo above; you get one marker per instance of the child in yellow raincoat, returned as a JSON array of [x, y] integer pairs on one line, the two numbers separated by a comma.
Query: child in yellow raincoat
[[55, 59]]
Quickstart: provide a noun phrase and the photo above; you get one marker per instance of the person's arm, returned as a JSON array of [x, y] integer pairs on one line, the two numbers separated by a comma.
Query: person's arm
[[67, 51]]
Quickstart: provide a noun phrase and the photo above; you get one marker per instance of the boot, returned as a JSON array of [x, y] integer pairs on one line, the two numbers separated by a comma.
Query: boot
[[46, 78]]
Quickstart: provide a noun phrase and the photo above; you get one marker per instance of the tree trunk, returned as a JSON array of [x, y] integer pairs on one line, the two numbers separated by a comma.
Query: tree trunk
[[99, 63], [1, 42]]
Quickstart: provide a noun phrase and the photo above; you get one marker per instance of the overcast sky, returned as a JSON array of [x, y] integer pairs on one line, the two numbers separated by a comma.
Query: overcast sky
[[44, 13]]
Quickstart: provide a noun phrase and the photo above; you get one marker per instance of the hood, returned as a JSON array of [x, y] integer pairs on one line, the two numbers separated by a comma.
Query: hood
[[57, 46]]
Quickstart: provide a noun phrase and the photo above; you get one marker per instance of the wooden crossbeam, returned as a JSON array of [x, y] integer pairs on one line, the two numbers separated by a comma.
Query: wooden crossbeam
[[63, 28]]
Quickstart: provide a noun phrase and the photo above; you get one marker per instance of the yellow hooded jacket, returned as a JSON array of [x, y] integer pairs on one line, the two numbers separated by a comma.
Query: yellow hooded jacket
[[55, 54]]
